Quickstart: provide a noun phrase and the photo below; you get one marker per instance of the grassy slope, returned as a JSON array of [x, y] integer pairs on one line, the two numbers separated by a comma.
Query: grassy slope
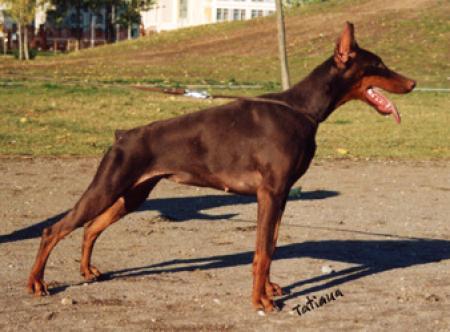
[[411, 38], [54, 119]]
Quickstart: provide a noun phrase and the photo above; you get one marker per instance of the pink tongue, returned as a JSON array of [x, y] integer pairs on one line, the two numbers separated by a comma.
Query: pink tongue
[[382, 104]]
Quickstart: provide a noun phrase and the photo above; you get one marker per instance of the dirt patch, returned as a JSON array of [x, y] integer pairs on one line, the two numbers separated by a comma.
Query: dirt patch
[[378, 232]]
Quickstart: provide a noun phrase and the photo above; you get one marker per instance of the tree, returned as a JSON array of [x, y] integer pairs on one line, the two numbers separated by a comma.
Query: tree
[[94, 7], [130, 12], [282, 46], [60, 9], [118, 12], [22, 12]]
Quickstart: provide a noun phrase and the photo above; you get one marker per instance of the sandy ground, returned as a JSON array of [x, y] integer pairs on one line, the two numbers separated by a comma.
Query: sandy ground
[[183, 261]]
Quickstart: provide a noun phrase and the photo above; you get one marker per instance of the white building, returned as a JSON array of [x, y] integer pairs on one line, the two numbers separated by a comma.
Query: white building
[[174, 14], [167, 14], [7, 22]]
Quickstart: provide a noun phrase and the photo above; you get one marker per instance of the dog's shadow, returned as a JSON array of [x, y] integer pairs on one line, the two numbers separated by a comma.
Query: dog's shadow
[[188, 208], [176, 208], [366, 257]]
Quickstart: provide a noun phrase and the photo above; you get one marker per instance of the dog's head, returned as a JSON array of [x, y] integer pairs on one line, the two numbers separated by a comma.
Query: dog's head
[[364, 73]]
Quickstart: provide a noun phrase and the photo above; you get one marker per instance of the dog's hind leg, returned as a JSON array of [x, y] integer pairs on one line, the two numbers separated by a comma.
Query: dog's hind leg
[[114, 175], [92, 230], [129, 202], [50, 237]]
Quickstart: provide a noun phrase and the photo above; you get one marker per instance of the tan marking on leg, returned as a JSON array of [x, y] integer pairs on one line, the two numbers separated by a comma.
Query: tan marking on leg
[[93, 231]]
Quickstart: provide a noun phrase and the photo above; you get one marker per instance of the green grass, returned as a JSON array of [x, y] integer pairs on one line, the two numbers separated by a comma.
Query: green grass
[[357, 128], [54, 119], [43, 115]]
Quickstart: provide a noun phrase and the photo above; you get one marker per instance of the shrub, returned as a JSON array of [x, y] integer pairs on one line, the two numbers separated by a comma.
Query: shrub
[[31, 52]]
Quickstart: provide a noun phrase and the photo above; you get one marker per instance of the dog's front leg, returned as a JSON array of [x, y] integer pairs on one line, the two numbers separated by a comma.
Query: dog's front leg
[[273, 289], [270, 206]]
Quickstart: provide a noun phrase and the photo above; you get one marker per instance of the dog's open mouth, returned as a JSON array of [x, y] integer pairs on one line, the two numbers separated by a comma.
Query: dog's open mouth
[[381, 103]]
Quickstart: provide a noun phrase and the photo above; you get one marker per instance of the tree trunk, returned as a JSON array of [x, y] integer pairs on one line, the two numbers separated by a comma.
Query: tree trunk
[[19, 32], [282, 46], [92, 30], [129, 31], [5, 46], [80, 28], [113, 24], [25, 43]]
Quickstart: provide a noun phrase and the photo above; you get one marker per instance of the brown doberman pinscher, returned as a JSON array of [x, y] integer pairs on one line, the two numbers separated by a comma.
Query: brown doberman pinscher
[[253, 146]]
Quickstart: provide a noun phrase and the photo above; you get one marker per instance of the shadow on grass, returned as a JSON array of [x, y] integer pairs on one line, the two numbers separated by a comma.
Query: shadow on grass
[[178, 208]]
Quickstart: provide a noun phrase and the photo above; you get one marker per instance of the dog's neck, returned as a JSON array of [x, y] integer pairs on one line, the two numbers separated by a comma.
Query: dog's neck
[[319, 93]]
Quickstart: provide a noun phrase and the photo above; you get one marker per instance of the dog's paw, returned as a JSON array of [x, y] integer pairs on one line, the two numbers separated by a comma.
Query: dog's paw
[[265, 303], [37, 287], [90, 273]]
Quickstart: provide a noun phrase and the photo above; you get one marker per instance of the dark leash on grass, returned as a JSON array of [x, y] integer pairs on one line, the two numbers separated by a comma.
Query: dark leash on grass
[[205, 95], [200, 94]]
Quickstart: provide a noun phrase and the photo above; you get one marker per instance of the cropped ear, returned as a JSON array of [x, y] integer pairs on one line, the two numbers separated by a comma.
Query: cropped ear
[[345, 45]]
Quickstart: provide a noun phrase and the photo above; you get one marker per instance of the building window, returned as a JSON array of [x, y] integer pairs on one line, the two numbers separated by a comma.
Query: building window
[[183, 8], [257, 13], [222, 14], [238, 14], [235, 14], [219, 14]]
